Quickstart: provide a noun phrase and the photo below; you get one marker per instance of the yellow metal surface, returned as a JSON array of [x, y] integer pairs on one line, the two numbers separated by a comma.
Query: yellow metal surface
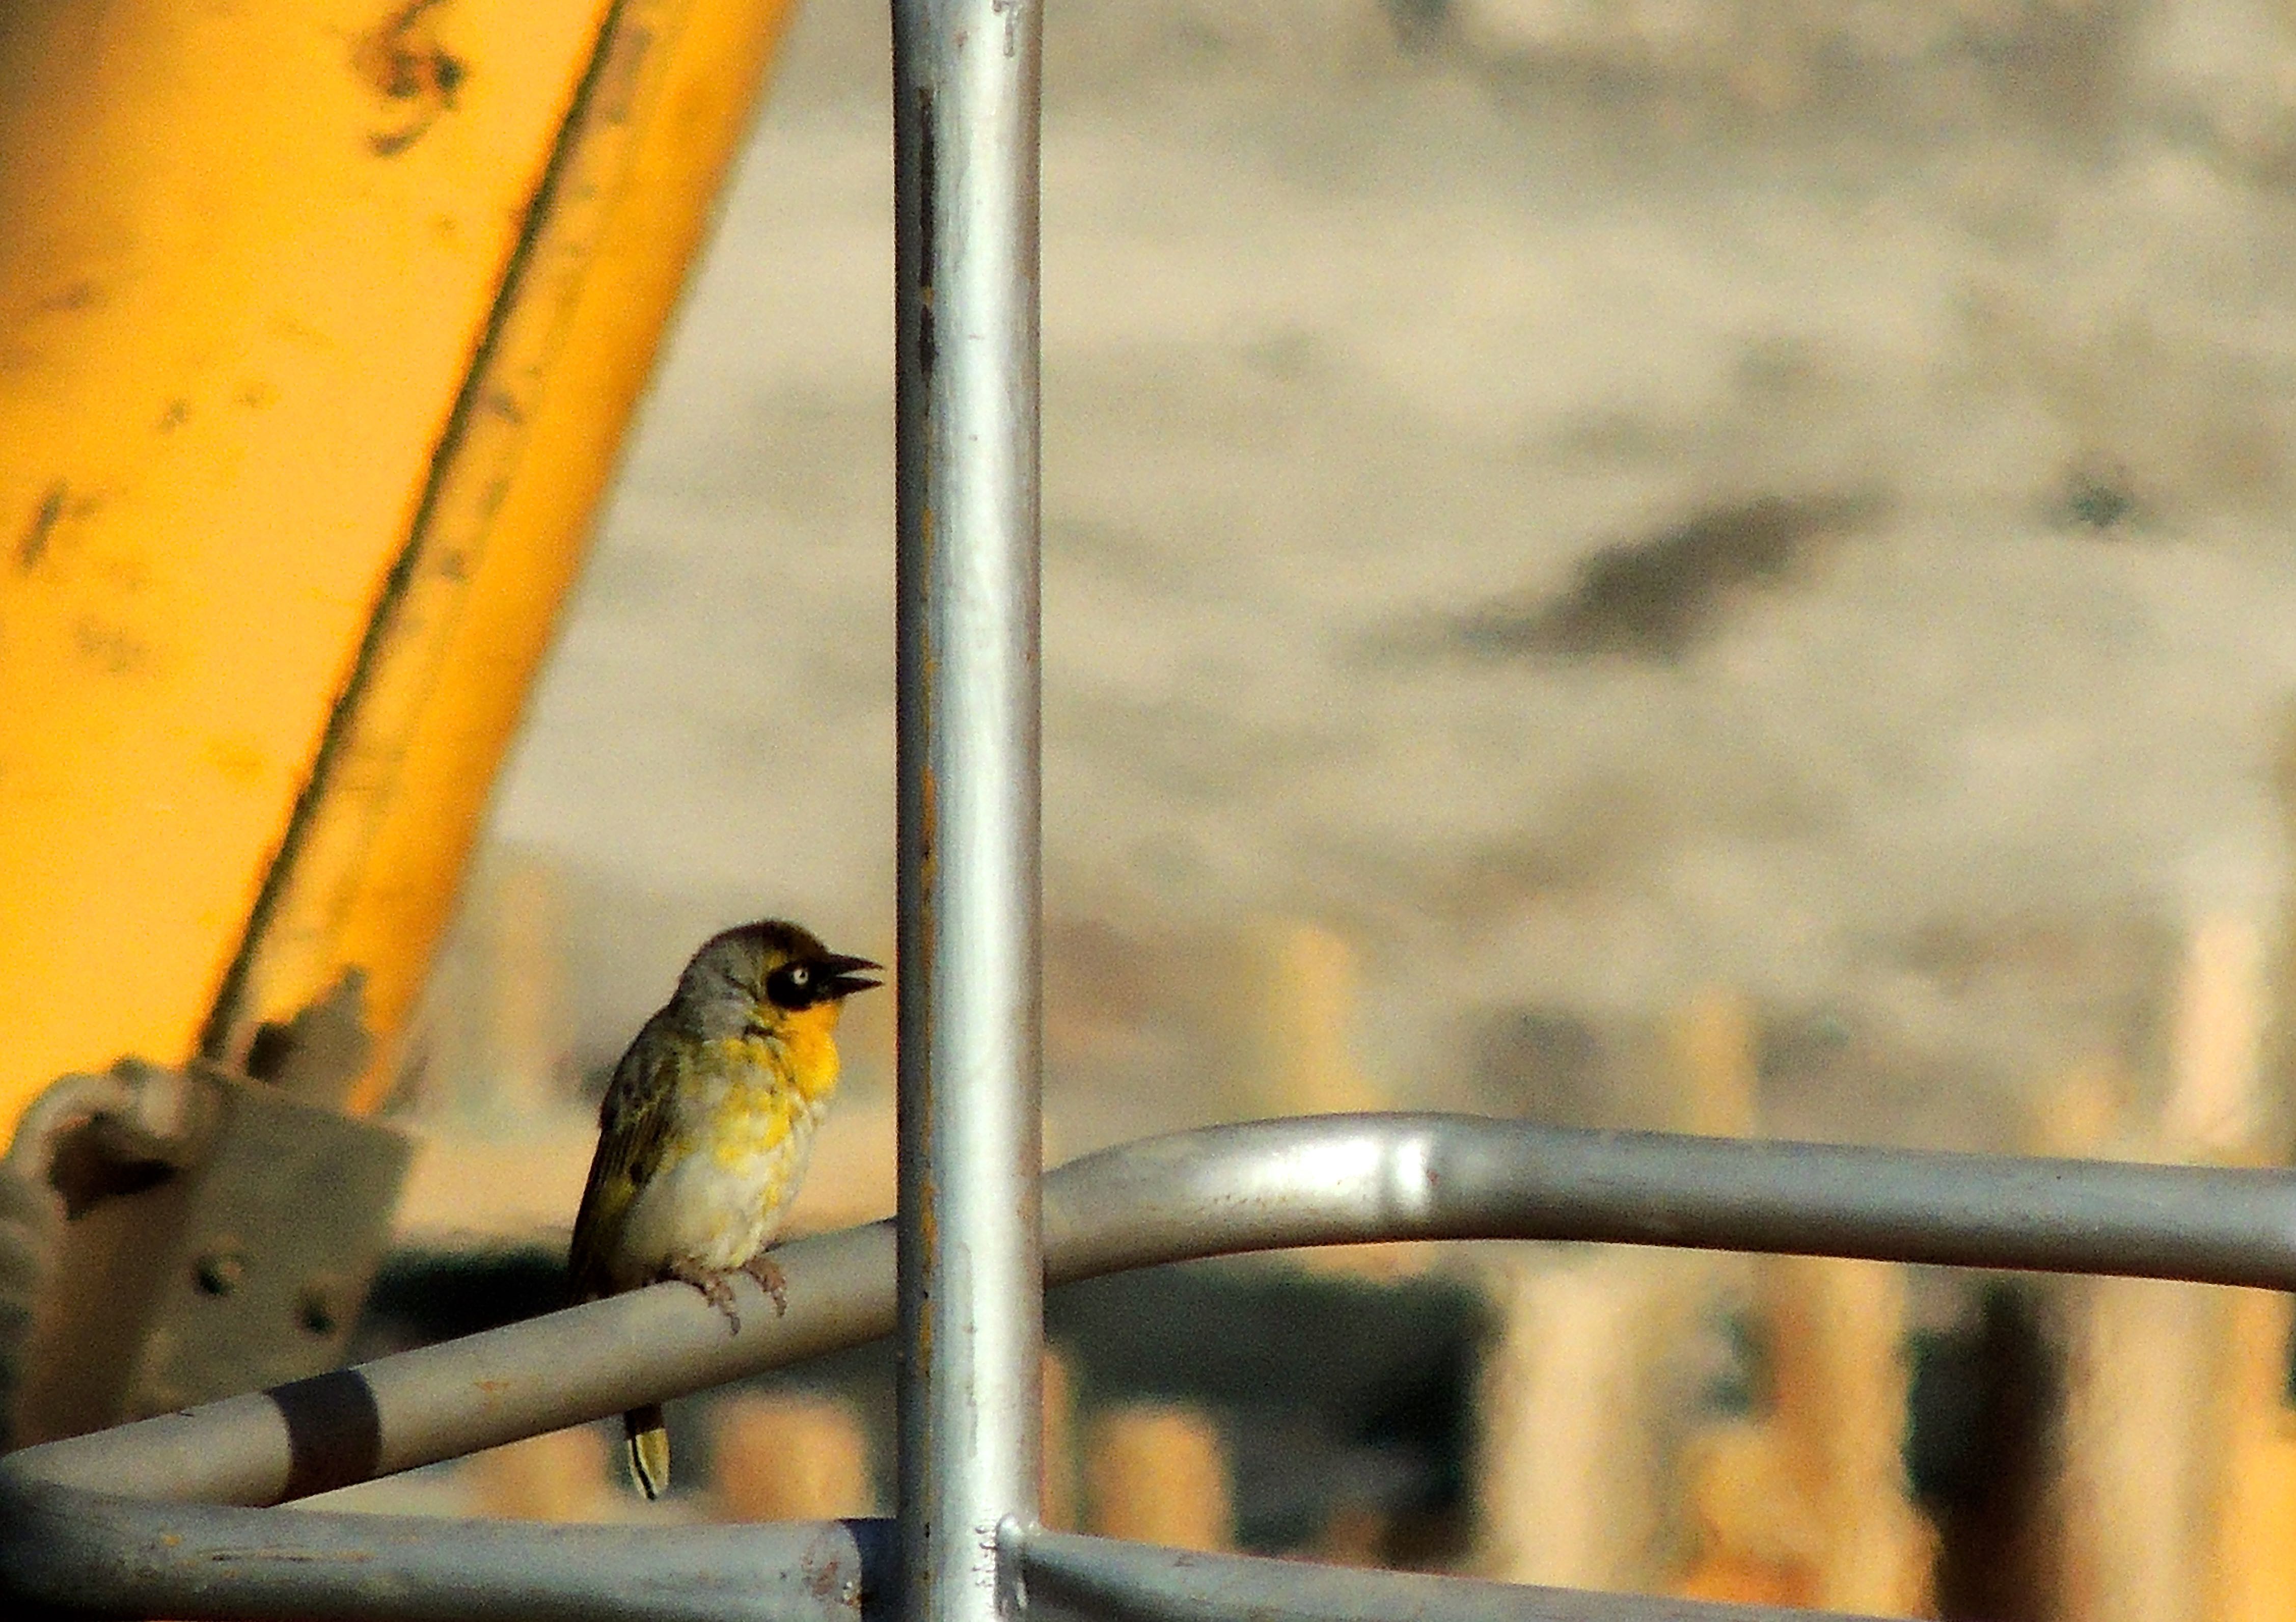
[[319, 327]]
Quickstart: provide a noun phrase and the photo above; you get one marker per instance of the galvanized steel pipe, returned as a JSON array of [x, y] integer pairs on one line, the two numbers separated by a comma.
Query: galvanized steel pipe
[[970, 1270], [1074, 1578], [68, 1552], [1266, 1185], [1335, 1179]]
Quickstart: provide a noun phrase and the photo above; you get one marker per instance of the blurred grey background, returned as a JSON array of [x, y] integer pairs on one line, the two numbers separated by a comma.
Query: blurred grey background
[[1558, 504]]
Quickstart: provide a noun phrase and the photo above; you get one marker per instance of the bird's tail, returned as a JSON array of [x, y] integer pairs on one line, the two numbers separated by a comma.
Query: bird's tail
[[648, 1444]]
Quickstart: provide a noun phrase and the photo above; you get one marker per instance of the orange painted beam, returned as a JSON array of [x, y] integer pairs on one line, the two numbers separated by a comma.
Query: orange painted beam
[[320, 325]]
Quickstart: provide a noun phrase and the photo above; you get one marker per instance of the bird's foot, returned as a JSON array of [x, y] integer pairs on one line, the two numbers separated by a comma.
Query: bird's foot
[[712, 1285], [769, 1279]]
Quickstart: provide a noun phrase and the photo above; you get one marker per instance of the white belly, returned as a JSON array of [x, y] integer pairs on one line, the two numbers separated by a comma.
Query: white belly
[[712, 1212]]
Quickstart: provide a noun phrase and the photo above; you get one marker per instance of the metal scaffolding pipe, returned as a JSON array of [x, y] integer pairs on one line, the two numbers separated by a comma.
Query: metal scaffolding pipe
[[970, 1268], [121, 1557], [1325, 1179], [68, 1552], [1318, 1179], [1073, 1578]]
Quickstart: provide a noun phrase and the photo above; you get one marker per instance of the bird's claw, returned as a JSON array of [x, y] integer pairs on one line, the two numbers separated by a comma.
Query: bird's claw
[[713, 1287], [770, 1279], [716, 1290]]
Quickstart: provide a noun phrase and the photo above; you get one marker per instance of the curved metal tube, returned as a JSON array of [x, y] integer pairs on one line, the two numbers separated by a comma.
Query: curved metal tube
[[1266, 1185], [1324, 1180]]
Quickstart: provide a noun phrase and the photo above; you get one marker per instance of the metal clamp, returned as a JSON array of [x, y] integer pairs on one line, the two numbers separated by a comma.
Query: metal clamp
[[220, 1234]]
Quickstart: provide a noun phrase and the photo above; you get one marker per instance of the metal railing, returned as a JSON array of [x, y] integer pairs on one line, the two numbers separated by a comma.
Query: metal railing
[[157, 1517], [172, 1515]]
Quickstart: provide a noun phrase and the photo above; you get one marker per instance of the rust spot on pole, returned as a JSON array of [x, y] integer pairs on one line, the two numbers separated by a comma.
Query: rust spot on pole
[[928, 346]]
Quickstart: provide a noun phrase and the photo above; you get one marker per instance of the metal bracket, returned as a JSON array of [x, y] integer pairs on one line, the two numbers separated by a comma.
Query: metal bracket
[[235, 1248]]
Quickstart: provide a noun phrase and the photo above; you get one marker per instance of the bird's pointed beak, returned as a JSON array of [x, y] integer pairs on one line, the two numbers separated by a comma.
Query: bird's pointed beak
[[841, 976]]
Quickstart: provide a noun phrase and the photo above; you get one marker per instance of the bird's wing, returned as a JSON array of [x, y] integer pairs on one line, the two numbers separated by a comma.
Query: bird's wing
[[633, 1124]]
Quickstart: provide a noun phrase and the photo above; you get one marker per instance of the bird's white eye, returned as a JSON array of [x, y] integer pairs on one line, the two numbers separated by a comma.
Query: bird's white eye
[[800, 977]]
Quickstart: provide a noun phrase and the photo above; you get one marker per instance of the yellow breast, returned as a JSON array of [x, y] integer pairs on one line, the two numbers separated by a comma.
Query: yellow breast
[[808, 1042], [755, 1090]]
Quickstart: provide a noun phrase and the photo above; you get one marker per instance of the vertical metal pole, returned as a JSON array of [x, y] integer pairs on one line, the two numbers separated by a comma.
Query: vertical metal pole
[[965, 121]]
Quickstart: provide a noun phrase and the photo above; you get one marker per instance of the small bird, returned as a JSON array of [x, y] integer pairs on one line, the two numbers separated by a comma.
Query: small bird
[[705, 1130]]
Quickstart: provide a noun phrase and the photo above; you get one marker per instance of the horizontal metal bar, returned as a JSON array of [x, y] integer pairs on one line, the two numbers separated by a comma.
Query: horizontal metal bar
[[1335, 1179], [1317, 1179], [1314, 1180], [1066, 1578], [480, 1391], [91, 1553], [197, 1562]]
